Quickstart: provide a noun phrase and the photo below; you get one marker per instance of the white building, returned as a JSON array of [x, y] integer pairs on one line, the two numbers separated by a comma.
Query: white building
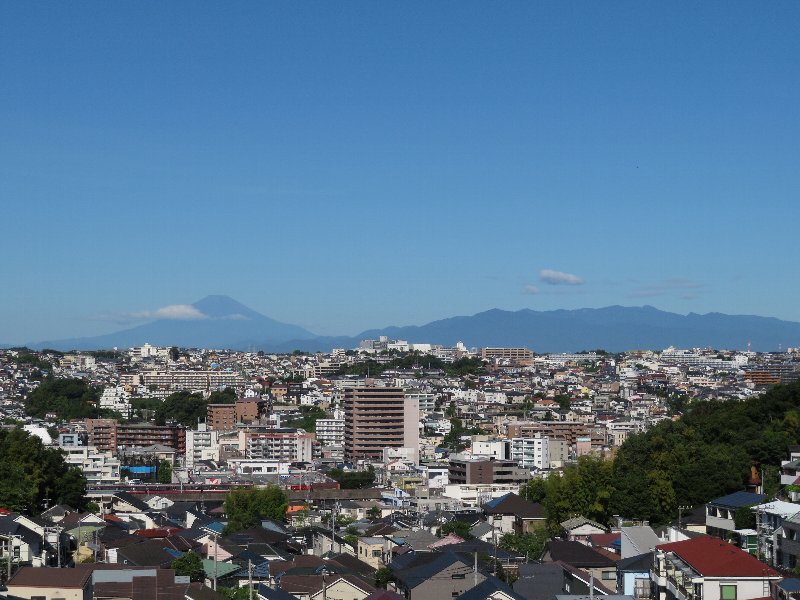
[[98, 467], [531, 452], [201, 444], [477, 494], [493, 448], [116, 399], [330, 432]]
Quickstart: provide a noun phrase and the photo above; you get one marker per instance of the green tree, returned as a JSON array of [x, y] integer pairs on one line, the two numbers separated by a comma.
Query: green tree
[[353, 480], [189, 565], [530, 544], [226, 396], [164, 472], [184, 407], [461, 528], [744, 518], [246, 508], [382, 577], [533, 490], [32, 475], [67, 398], [374, 512]]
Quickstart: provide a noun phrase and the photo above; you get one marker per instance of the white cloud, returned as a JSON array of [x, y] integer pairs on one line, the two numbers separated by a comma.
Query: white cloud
[[178, 312], [175, 312], [531, 289], [551, 277]]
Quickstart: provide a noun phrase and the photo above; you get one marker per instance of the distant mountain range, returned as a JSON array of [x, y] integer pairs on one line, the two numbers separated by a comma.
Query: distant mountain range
[[222, 322]]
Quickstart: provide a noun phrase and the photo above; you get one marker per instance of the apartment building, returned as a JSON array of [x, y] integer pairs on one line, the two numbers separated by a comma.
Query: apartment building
[[531, 452], [98, 467], [286, 445], [186, 380], [109, 435], [221, 417], [518, 355], [378, 418], [330, 432], [569, 431], [201, 444], [470, 471]]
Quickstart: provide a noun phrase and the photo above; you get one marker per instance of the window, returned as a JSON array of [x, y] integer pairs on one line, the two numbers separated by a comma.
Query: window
[[727, 592], [609, 575], [458, 576], [376, 553]]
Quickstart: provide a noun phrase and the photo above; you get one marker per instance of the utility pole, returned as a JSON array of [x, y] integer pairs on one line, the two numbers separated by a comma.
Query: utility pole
[[215, 562], [250, 578]]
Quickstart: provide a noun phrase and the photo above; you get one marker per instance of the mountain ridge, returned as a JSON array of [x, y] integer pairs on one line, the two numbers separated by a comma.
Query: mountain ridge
[[225, 323]]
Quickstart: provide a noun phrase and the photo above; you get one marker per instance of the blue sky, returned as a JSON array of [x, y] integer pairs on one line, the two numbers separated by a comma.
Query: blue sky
[[359, 164]]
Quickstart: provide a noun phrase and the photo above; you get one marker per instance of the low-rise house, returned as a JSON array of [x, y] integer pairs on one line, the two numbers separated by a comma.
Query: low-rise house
[[318, 587], [770, 518], [578, 529], [490, 589], [371, 550], [720, 512], [633, 576], [707, 568], [434, 575], [637, 540], [580, 556], [69, 584], [510, 513]]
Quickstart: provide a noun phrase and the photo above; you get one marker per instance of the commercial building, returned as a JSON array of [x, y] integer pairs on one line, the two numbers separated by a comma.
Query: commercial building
[[378, 418]]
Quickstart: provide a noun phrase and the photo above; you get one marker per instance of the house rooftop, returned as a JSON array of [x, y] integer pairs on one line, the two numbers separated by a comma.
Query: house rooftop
[[712, 557], [738, 500]]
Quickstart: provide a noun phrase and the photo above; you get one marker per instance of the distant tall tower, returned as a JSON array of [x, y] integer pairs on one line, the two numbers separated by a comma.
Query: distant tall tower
[[376, 418]]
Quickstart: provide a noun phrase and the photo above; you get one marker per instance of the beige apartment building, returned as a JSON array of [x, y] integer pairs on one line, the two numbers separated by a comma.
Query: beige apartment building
[[378, 418]]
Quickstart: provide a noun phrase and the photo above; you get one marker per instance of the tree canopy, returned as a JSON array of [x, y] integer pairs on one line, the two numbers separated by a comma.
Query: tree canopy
[[461, 528], [184, 407], [67, 398], [353, 480], [246, 508], [705, 454], [191, 565], [32, 475]]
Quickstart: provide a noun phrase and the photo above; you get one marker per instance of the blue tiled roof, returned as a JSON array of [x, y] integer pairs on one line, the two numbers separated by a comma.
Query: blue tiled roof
[[497, 501], [790, 584], [738, 500]]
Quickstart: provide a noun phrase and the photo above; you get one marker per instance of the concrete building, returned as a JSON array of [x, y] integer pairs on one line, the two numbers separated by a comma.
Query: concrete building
[[108, 435], [98, 467], [378, 418], [221, 417], [287, 445], [330, 432], [531, 452], [201, 444], [470, 471]]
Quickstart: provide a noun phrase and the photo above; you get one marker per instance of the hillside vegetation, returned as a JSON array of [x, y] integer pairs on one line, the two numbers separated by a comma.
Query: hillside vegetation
[[705, 454]]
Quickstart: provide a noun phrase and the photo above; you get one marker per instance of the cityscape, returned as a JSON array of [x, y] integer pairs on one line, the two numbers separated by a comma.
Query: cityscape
[[399, 301]]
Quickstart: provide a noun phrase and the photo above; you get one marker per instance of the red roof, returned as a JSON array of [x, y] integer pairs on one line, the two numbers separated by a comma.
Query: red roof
[[157, 533], [711, 557]]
